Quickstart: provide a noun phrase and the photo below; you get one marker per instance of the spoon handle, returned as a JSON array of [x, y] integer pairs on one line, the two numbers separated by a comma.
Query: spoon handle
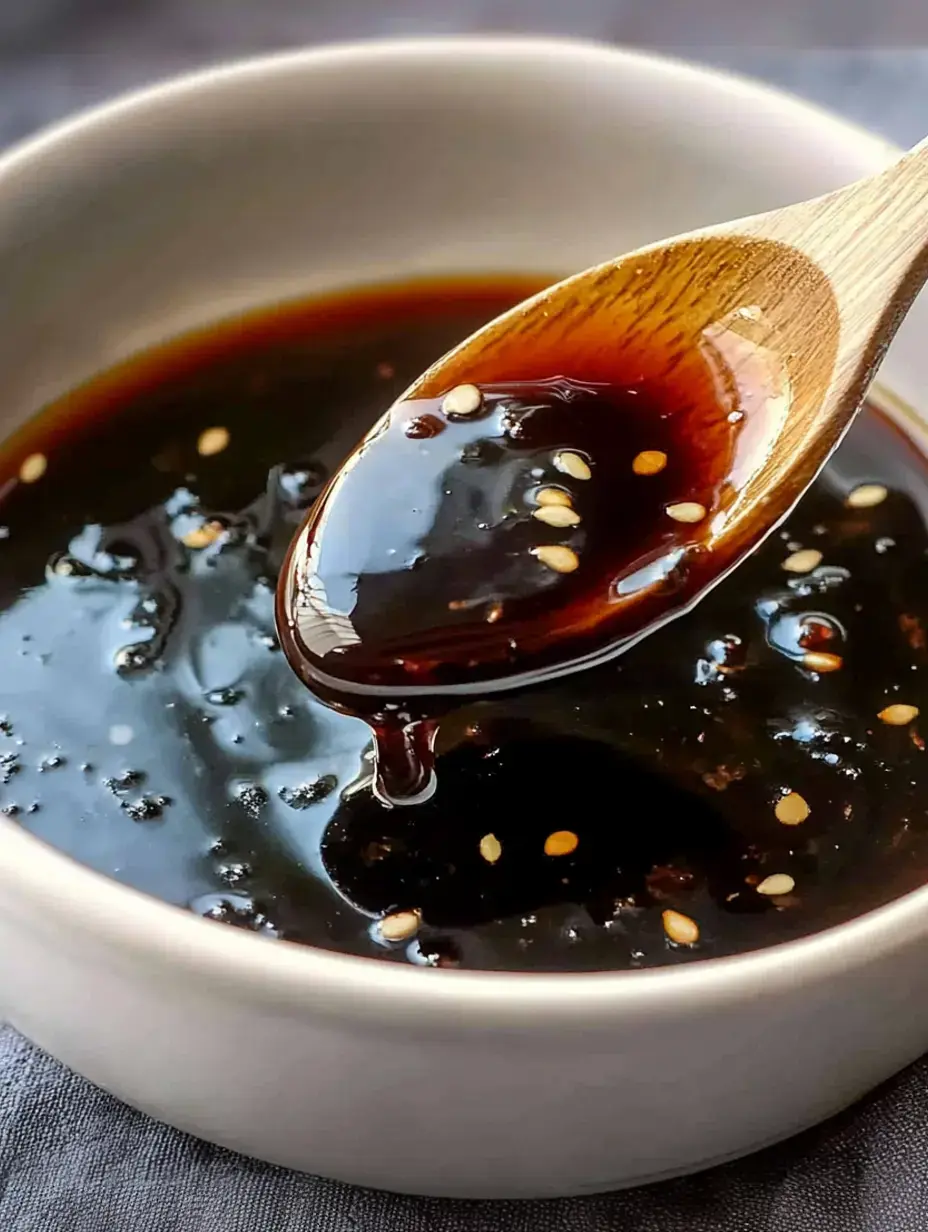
[[870, 239]]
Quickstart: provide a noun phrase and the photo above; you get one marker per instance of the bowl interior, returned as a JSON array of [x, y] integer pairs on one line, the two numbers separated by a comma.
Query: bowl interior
[[353, 166]]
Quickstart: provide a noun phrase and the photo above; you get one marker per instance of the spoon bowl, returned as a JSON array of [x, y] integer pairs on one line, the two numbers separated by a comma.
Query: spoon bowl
[[695, 389]]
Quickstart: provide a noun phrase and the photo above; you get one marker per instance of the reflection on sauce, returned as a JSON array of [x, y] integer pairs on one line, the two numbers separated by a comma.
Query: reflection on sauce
[[753, 379]]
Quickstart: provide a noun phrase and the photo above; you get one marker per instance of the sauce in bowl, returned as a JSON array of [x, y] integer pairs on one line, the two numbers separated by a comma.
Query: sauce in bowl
[[752, 772]]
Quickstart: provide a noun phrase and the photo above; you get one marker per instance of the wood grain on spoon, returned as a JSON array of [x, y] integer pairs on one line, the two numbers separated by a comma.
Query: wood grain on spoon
[[767, 332], [802, 302]]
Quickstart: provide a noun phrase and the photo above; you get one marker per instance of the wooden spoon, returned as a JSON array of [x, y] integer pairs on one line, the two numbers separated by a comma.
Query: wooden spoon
[[750, 345]]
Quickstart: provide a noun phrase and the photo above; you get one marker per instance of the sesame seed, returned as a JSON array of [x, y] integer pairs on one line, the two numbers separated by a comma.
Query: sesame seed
[[490, 848], [552, 496], [686, 511], [775, 884], [494, 612], [679, 928], [819, 661], [202, 536], [561, 843], [557, 515], [803, 561], [557, 557], [649, 462], [866, 496], [898, 714], [33, 467], [572, 464], [791, 809], [400, 925], [212, 441], [462, 400]]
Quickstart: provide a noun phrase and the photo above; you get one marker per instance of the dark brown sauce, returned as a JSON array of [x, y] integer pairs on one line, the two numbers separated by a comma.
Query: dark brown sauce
[[433, 562], [500, 535], [152, 728], [429, 564]]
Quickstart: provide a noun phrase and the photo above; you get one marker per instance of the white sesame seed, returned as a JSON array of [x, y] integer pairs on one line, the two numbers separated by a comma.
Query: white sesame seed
[[572, 464], [777, 883], [866, 495], [803, 561], [121, 733], [557, 557], [557, 515], [679, 928], [212, 441], [462, 400], [33, 467], [490, 848], [400, 925], [552, 496], [686, 511], [898, 714]]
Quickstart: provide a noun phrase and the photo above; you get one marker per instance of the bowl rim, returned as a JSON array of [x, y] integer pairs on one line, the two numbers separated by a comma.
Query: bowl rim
[[74, 901]]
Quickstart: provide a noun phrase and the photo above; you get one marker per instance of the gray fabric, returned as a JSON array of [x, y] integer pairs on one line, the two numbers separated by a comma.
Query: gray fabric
[[74, 1160], [59, 55]]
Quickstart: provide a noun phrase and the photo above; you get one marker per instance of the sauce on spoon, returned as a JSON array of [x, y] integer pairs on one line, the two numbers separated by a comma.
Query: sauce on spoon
[[498, 535], [591, 463]]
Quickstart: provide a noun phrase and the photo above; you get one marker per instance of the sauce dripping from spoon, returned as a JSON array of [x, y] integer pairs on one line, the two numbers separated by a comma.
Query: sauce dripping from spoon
[[590, 464], [498, 535]]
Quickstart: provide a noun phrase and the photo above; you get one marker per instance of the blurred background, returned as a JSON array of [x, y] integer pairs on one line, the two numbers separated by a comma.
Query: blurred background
[[866, 58]]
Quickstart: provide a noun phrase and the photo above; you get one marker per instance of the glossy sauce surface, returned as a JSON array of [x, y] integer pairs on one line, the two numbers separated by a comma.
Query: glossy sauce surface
[[429, 561], [456, 547], [152, 728], [487, 537]]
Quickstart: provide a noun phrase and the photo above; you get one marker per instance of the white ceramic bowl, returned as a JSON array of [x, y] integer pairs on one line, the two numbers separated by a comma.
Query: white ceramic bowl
[[345, 166]]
